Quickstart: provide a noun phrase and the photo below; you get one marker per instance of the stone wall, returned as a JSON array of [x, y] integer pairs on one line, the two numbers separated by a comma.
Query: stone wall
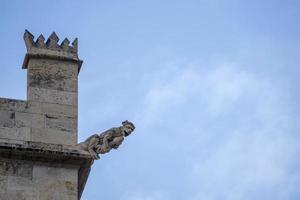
[[52, 81], [37, 135], [50, 112], [21, 179], [38, 121]]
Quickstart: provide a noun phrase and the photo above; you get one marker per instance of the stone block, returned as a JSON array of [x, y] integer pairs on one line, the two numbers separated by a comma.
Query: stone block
[[63, 69], [61, 123], [15, 133], [18, 168], [20, 105], [29, 120], [47, 173], [41, 78], [3, 184], [57, 188], [70, 188], [56, 192], [3, 104], [52, 96], [12, 141], [20, 183], [19, 195], [53, 136], [7, 118], [59, 110], [17, 105]]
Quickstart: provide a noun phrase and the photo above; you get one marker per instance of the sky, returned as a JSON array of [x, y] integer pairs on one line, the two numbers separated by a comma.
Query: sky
[[211, 86]]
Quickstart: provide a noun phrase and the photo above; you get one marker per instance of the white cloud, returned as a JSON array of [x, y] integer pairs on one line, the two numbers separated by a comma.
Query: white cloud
[[163, 96], [245, 165], [252, 156]]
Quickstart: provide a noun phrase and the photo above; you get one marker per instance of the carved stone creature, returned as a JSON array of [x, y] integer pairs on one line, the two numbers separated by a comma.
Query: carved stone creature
[[110, 139]]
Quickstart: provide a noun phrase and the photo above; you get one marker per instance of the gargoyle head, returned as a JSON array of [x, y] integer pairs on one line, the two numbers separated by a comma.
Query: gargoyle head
[[127, 128]]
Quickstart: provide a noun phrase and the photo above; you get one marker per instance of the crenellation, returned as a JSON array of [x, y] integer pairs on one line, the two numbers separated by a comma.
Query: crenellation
[[28, 38], [65, 44], [40, 42], [51, 43], [75, 46]]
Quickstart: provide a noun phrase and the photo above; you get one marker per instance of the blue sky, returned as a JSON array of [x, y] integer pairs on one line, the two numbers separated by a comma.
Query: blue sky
[[212, 87]]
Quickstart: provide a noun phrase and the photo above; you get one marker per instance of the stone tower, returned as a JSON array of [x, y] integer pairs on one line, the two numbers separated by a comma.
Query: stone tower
[[37, 159]]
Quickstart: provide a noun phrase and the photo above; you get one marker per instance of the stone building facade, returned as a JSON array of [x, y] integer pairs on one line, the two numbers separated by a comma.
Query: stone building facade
[[37, 135]]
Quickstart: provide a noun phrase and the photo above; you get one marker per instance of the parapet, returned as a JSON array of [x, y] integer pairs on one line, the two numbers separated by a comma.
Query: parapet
[[50, 49]]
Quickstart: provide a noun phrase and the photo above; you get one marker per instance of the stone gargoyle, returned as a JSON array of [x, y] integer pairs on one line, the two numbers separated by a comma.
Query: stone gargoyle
[[104, 142]]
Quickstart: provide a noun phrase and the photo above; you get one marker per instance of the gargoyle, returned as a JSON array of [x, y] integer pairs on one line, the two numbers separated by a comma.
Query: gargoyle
[[110, 139]]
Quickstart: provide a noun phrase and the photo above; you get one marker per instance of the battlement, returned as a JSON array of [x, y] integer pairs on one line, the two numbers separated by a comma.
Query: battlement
[[50, 49]]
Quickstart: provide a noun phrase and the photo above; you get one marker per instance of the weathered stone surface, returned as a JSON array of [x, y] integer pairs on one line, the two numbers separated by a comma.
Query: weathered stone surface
[[4, 104], [52, 96], [50, 82], [18, 168], [19, 195], [3, 184], [44, 149], [29, 120], [38, 159], [21, 133], [20, 183], [61, 123], [44, 183], [50, 45], [56, 128], [59, 110], [51, 49], [60, 68], [55, 173], [42, 171], [7, 118], [51, 78], [13, 140], [20, 105], [53, 136], [59, 189]]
